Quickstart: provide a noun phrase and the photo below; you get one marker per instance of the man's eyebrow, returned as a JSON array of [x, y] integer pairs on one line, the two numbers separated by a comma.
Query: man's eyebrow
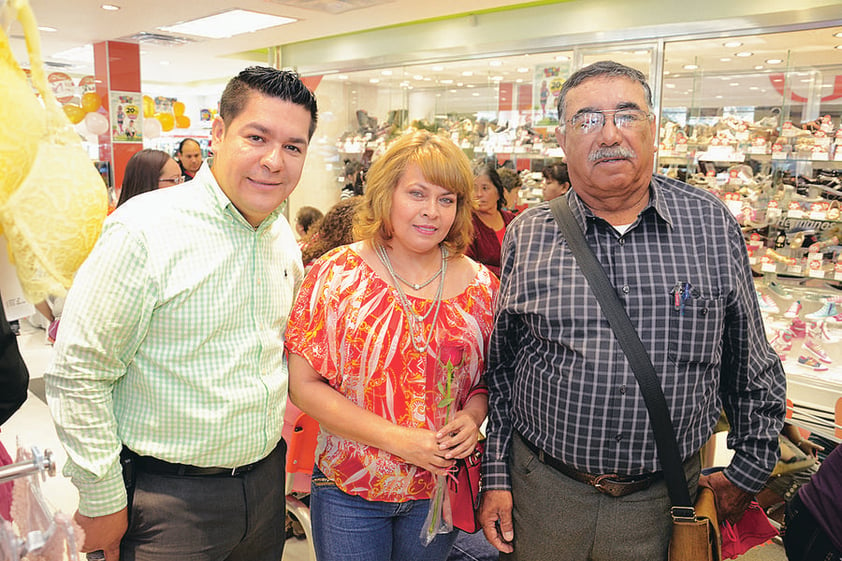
[[263, 129], [620, 106]]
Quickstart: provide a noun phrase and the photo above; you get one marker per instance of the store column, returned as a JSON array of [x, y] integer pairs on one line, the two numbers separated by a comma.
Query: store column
[[117, 70]]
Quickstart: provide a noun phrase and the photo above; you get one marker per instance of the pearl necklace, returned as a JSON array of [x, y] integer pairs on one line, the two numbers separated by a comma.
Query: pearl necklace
[[416, 321]]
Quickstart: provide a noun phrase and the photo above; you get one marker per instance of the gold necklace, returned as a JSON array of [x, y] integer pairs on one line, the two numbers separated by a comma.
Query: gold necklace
[[416, 321]]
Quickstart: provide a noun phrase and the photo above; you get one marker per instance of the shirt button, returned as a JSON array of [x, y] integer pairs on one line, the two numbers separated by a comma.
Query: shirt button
[[623, 389], [626, 289], [619, 437], [621, 241], [703, 312]]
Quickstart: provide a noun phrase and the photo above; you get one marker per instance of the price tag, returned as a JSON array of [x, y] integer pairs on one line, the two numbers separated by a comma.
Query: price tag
[[795, 269], [769, 266]]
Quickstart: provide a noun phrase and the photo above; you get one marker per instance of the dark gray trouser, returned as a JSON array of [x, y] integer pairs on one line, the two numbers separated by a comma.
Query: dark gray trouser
[[559, 519], [209, 518]]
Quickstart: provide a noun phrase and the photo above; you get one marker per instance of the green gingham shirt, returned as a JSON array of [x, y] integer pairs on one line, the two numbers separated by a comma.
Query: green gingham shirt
[[171, 341]]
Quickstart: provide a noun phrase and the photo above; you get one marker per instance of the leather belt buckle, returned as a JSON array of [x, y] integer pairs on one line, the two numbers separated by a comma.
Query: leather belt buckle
[[611, 484]]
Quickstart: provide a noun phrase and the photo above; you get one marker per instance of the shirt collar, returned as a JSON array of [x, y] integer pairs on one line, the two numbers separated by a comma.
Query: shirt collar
[[583, 213]]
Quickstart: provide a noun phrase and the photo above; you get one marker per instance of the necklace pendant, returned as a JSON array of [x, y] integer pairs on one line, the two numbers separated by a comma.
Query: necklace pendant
[[416, 286]]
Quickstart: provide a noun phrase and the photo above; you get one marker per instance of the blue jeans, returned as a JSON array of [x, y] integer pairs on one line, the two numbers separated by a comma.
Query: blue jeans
[[473, 547], [350, 528]]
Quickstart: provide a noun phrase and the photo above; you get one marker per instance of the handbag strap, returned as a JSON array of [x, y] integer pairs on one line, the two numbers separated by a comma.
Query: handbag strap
[[635, 352]]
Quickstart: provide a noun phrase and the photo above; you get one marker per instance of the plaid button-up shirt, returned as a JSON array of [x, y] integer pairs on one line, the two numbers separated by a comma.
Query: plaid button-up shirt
[[558, 376]]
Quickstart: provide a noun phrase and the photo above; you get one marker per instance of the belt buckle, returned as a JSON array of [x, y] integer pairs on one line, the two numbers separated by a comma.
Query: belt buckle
[[597, 482]]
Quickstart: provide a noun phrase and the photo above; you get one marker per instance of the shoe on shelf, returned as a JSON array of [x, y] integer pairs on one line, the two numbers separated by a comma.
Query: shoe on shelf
[[826, 311], [816, 350], [811, 363], [782, 342], [767, 305], [834, 320], [793, 310], [779, 290], [798, 327], [783, 339], [823, 333]]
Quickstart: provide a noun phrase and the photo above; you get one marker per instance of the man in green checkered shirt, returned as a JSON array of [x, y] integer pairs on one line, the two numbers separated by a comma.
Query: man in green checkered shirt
[[169, 382]]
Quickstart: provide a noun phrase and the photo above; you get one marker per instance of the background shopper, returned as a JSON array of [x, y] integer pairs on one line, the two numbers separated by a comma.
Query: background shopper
[[556, 181], [489, 218], [146, 171], [189, 156]]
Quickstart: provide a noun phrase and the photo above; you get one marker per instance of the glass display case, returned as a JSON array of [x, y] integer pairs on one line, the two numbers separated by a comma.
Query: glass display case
[[756, 120]]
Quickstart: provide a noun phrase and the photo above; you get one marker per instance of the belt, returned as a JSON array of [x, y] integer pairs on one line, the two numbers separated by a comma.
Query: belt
[[148, 464], [611, 484]]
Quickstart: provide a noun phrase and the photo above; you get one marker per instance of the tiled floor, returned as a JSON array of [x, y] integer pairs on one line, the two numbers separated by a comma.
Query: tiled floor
[[33, 427]]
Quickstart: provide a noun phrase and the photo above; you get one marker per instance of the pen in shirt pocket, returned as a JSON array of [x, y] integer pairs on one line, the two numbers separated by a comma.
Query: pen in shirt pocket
[[681, 293]]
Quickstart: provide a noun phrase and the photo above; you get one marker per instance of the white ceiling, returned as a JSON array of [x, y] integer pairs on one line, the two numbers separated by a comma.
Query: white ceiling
[[206, 64], [84, 22]]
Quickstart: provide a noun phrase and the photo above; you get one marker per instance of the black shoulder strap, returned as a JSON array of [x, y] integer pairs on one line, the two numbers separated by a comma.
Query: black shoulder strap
[[635, 352]]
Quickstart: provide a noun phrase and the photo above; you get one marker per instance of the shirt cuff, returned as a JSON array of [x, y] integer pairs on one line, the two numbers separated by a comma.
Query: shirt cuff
[[747, 475], [102, 496]]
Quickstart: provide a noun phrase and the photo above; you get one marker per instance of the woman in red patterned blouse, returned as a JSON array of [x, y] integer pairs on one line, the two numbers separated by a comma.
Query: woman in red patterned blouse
[[378, 328]]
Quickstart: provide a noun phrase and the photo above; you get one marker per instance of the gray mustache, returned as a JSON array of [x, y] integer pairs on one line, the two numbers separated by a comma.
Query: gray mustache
[[610, 153]]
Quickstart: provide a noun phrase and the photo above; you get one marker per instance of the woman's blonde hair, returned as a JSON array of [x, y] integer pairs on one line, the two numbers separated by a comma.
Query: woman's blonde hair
[[441, 163]]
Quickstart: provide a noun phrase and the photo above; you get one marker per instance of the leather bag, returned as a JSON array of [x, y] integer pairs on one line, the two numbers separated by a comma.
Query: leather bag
[[464, 491], [697, 538], [695, 535]]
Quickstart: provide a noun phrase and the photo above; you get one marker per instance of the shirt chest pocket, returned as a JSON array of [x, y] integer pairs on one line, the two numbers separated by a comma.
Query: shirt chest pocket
[[695, 329]]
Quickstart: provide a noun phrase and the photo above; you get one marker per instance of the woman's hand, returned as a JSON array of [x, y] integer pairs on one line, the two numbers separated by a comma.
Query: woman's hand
[[420, 447], [458, 438]]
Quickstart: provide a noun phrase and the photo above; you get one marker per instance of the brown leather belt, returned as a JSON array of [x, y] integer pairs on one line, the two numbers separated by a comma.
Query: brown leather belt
[[610, 484]]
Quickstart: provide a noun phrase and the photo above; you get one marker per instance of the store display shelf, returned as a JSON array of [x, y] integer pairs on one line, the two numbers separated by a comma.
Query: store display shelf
[[814, 401]]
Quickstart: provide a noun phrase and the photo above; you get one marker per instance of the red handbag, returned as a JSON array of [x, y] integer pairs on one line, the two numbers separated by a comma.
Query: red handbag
[[464, 491], [753, 529]]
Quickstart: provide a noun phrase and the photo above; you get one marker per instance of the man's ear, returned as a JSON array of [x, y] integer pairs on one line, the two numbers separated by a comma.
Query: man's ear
[[217, 130], [560, 135]]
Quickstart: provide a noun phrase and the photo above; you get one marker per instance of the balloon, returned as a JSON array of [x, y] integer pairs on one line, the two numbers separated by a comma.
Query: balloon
[[182, 122], [167, 121], [74, 113], [90, 102], [148, 106], [151, 128], [96, 123], [178, 108]]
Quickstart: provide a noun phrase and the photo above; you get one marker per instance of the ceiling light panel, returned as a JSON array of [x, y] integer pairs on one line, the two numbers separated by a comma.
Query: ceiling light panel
[[227, 24], [331, 6]]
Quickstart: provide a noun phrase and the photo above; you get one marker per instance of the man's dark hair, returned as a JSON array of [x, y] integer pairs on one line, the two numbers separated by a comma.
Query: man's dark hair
[[607, 68], [185, 141], [283, 84], [557, 172]]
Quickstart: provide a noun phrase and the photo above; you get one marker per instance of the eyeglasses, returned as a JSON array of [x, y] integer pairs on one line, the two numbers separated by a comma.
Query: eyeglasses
[[589, 122], [173, 180]]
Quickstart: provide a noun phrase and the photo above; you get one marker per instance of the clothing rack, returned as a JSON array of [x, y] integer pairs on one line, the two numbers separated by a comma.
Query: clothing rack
[[40, 462]]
